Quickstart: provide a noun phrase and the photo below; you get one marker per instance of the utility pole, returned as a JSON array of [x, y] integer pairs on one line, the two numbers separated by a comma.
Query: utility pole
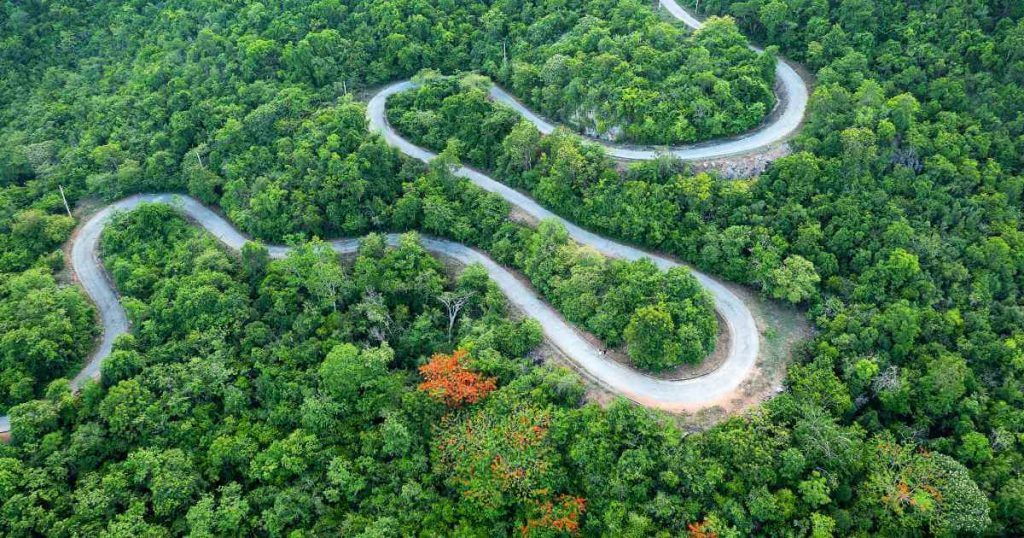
[[62, 197]]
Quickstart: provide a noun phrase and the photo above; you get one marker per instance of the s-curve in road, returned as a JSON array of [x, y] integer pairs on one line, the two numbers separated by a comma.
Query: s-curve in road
[[790, 89], [690, 394]]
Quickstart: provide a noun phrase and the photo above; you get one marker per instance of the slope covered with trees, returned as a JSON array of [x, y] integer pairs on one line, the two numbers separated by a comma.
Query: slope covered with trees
[[45, 332], [902, 416], [259, 397], [329, 178], [284, 161], [242, 391], [46, 329], [916, 321]]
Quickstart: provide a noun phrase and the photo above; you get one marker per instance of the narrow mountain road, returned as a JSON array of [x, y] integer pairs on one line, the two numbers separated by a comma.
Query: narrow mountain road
[[690, 394], [670, 395]]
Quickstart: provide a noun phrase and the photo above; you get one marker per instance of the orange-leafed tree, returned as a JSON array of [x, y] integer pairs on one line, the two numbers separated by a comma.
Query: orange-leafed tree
[[447, 379], [561, 516], [701, 529]]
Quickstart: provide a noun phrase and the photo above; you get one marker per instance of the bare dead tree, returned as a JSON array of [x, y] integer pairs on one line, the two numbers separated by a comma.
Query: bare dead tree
[[378, 334], [453, 302], [1001, 439], [320, 273], [889, 379], [861, 401], [62, 197], [908, 158], [818, 432]]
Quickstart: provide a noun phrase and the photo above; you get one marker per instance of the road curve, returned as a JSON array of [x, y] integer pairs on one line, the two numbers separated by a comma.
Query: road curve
[[684, 395], [791, 92], [670, 395]]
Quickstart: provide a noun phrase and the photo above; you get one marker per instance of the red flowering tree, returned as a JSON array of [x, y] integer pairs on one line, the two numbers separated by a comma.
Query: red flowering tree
[[448, 380]]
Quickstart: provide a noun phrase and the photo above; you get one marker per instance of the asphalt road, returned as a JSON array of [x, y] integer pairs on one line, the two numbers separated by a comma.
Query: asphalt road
[[690, 394], [670, 395]]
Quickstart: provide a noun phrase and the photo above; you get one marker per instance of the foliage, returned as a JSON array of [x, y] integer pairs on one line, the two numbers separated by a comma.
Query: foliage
[[651, 339], [609, 296], [45, 333], [903, 194], [654, 203], [501, 459], [447, 380], [250, 405]]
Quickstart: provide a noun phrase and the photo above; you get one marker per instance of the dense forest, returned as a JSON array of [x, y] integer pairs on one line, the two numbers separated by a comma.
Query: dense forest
[[45, 331], [249, 401]]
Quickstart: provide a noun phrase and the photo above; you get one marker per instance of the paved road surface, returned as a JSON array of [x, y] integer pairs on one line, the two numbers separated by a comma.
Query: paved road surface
[[791, 92]]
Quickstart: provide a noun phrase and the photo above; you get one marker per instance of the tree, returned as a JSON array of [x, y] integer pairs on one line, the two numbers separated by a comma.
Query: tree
[[453, 303], [358, 381], [943, 384], [315, 267], [32, 234], [795, 280], [169, 476], [225, 515], [448, 380], [520, 147], [774, 16], [652, 340], [501, 458], [924, 490], [561, 515], [44, 331], [255, 258], [130, 411]]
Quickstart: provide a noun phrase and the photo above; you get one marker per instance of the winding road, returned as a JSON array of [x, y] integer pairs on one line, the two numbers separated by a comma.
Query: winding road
[[708, 390], [686, 395]]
